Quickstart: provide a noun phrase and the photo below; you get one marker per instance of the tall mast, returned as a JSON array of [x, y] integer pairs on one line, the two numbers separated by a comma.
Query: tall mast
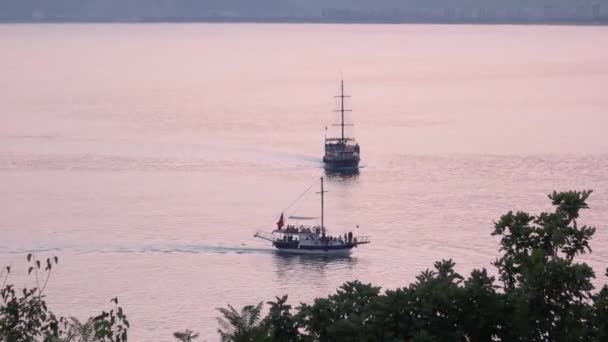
[[342, 110], [342, 106], [322, 209]]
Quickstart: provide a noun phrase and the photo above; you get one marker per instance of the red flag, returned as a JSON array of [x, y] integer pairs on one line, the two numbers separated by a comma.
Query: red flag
[[280, 222]]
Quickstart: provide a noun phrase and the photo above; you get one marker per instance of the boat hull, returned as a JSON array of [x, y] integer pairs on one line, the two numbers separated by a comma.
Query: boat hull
[[341, 164], [296, 248], [341, 251]]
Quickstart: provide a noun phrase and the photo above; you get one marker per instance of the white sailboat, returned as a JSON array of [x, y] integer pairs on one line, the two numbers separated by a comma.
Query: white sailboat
[[311, 239]]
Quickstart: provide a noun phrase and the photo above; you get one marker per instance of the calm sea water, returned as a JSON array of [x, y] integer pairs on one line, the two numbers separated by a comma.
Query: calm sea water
[[146, 156]]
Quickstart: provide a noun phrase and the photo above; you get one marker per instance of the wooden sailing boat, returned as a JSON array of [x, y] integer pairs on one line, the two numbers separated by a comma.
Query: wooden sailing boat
[[341, 153], [311, 239]]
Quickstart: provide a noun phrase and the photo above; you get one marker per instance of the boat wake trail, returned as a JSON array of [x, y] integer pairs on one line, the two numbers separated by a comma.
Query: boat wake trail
[[143, 249], [196, 248]]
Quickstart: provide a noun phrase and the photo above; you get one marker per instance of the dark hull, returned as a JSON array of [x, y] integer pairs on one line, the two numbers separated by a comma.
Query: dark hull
[[341, 164], [288, 247]]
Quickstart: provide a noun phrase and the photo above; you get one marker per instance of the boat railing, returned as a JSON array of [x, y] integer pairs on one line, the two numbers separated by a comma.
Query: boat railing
[[343, 140], [341, 152]]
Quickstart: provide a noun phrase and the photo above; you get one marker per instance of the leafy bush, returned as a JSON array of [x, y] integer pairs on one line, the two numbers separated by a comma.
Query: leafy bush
[[25, 316]]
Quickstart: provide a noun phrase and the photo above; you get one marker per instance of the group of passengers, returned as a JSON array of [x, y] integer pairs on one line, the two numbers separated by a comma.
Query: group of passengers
[[302, 230], [347, 238], [291, 229]]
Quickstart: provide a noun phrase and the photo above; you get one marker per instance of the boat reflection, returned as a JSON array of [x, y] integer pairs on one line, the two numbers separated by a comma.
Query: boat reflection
[[342, 174], [293, 265]]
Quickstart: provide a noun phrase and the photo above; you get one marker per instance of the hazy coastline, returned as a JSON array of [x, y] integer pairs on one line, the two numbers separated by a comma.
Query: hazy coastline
[[256, 20], [584, 12]]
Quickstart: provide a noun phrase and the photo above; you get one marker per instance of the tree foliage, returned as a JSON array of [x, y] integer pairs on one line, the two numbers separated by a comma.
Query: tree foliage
[[185, 336], [25, 316], [243, 326], [280, 322]]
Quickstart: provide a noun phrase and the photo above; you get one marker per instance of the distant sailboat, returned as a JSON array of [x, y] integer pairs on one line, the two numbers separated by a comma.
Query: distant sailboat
[[310, 239], [341, 153]]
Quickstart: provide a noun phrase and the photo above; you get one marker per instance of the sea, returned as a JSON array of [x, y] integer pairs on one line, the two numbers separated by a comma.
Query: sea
[[146, 156]]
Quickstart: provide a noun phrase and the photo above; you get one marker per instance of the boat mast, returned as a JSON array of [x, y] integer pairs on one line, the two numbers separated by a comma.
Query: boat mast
[[342, 110], [342, 106], [322, 209]]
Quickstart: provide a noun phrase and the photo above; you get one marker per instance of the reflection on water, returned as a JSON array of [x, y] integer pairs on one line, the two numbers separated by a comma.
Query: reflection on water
[[288, 265], [342, 174]]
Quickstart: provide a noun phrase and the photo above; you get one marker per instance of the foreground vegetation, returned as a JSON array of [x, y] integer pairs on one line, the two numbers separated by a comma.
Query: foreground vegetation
[[25, 316], [542, 294]]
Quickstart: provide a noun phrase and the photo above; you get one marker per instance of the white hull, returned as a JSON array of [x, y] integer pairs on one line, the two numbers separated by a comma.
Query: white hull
[[314, 252]]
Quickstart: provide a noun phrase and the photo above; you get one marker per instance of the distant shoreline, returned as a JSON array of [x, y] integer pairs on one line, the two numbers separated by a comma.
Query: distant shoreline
[[247, 20]]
